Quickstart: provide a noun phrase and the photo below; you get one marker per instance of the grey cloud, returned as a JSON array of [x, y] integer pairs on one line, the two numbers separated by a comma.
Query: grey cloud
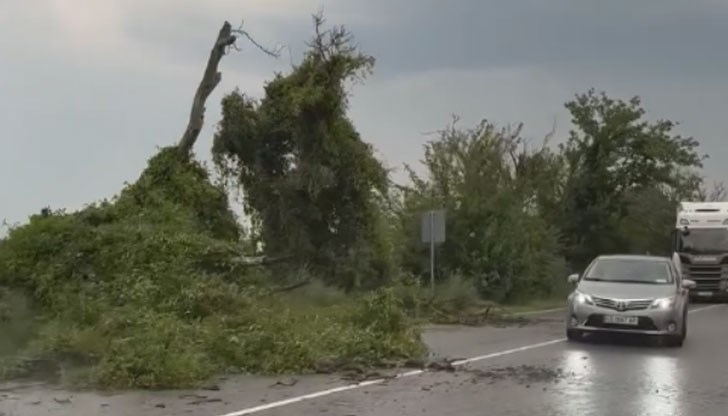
[[188, 37], [72, 136], [486, 34], [663, 36], [73, 131], [479, 34]]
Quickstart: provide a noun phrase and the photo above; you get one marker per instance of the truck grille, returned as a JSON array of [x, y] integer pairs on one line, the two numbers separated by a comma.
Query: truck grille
[[706, 277], [629, 305]]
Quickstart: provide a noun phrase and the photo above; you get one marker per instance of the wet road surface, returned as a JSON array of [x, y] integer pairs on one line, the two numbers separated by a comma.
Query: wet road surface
[[521, 370]]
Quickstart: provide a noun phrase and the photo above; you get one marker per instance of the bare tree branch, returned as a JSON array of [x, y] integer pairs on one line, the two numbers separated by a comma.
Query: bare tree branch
[[550, 135], [276, 53], [718, 193], [513, 140], [210, 79]]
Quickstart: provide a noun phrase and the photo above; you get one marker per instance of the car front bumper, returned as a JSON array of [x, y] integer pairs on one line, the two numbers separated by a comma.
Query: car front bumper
[[590, 318]]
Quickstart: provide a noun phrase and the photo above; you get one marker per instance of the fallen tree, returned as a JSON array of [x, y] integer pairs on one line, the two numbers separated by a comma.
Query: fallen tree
[[152, 289]]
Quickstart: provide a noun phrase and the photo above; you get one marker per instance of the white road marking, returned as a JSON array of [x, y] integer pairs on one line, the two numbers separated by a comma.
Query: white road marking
[[507, 352], [298, 399]]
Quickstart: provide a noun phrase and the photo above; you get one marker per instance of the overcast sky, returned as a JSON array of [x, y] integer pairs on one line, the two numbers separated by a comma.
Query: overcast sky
[[90, 88]]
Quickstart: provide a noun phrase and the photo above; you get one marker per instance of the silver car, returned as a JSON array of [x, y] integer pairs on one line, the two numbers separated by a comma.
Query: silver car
[[630, 294]]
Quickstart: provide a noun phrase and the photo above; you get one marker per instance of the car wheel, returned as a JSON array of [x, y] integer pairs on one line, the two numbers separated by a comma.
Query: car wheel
[[573, 335]]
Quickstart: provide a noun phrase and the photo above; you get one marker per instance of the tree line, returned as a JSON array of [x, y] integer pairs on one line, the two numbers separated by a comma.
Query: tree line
[[519, 214]]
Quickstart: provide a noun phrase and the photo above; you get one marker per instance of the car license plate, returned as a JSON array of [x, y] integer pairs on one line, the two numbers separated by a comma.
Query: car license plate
[[706, 294], [621, 320]]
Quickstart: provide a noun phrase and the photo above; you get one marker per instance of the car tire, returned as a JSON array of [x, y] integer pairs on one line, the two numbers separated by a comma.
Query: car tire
[[574, 335]]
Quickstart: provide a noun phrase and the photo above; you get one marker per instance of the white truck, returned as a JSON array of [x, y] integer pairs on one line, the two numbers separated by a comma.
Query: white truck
[[700, 239]]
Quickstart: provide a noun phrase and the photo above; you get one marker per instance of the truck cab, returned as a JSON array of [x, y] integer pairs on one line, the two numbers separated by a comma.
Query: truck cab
[[700, 239]]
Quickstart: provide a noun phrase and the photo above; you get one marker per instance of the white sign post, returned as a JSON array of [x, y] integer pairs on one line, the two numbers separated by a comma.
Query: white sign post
[[433, 232]]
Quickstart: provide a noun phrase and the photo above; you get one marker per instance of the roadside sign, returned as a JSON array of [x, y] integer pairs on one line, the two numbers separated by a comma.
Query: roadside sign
[[433, 232], [433, 226]]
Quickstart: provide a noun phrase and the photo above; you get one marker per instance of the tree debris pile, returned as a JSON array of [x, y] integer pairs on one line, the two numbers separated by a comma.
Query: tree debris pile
[[143, 291]]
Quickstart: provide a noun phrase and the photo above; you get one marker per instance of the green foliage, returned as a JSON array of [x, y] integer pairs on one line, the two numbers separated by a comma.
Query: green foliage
[[145, 291], [613, 156], [17, 321], [519, 216], [149, 290], [309, 180], [187, 183], [497, 234]]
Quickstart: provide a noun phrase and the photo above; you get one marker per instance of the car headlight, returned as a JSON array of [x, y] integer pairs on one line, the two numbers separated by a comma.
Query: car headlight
[[583, 298], [663, 303]]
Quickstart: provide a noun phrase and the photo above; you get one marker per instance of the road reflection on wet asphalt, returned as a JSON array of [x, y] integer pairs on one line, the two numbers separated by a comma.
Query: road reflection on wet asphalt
[[525, 370], [614, 375]]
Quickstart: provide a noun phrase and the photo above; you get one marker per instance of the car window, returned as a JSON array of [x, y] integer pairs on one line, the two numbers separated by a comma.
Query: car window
[[630, 271]]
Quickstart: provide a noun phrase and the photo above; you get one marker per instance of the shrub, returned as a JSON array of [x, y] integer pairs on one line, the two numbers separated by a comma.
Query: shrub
[[145, 291]]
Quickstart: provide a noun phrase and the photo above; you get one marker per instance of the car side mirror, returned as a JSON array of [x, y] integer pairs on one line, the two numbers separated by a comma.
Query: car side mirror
[[573, 278], [688, 284]]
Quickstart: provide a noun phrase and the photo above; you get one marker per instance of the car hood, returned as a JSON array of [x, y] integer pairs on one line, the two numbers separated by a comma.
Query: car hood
[[625, 290]]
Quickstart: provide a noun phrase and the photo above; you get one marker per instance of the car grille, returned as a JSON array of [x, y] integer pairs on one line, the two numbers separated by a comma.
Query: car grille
[[706, 277], [597, 321], [629, 305]]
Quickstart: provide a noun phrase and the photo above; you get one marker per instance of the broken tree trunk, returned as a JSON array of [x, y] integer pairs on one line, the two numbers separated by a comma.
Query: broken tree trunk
[[210, 79]]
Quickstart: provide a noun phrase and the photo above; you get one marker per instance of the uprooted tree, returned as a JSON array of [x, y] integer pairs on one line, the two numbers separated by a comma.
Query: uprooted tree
[[147, 290]]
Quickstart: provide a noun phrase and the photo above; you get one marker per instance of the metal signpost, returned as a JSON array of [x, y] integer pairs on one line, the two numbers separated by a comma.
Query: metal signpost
[[433, 232]]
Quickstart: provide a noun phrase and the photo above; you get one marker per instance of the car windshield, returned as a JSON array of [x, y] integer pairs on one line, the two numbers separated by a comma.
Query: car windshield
[[709, 240], [629, 271]]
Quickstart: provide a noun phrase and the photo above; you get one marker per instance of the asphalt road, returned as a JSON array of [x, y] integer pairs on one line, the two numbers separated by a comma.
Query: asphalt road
[[520, 370]]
